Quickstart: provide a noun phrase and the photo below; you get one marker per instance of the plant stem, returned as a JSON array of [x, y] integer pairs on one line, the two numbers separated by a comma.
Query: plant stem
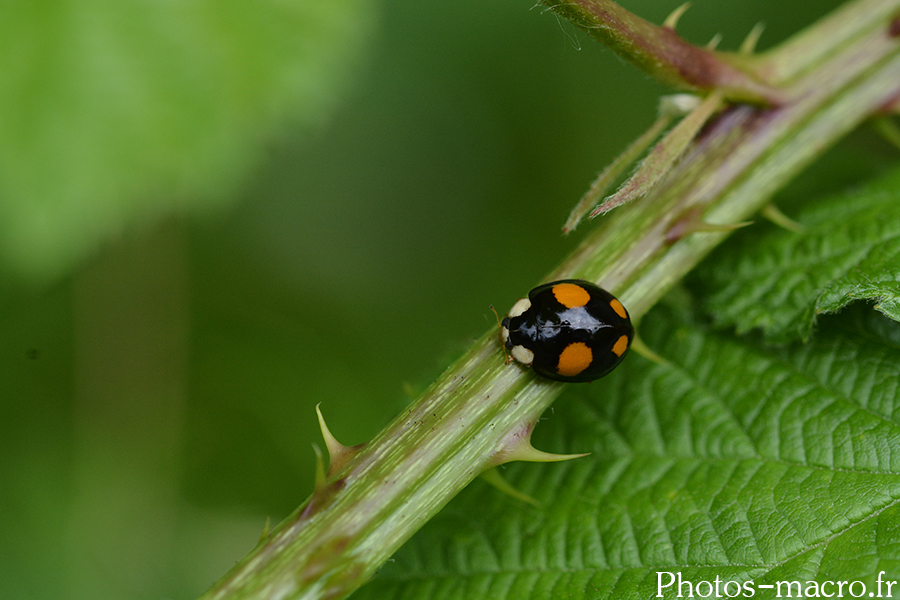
[[481, 408], [663, 53], [808, 48]]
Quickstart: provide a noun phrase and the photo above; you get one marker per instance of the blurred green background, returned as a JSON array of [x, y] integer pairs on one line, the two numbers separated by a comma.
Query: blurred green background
[[214, 216]]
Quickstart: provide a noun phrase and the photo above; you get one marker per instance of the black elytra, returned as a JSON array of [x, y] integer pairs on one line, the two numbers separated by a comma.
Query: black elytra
[[568, 330]]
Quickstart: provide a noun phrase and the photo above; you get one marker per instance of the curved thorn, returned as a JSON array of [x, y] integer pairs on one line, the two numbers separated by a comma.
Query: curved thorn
[[644, 350], [773, 214], [531, 454], [495, 479], [692, 222], [672, 20], [517, 446], [714, 42], [331, 443], [265, 531], [749, 43], [338, 454]]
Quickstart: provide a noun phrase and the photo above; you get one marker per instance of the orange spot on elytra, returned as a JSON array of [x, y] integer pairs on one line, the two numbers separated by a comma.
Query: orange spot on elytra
[[574, 359], [620, 346], [571, 295], [617, 306]]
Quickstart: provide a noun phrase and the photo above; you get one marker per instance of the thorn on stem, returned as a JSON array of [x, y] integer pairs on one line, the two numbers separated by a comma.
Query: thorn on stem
[[672, 20], [338, 454], [494, 478], [773, 214], [644, 350], [265, 531], [517, 446], [692, 222], [749, 43]]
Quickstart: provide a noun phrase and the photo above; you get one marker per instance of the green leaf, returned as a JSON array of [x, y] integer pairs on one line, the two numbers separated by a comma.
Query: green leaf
[[116, 113], [780, 281], [734, 461]]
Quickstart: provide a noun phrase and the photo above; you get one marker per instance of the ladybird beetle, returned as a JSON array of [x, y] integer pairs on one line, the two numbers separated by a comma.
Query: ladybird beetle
[[569, 330]]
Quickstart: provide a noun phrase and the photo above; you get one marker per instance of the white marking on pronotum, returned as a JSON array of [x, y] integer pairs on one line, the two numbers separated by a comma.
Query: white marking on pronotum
[[519, 307], [522, 354]]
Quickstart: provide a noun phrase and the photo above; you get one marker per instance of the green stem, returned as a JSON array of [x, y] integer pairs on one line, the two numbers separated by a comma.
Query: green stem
[[481, 407], [805, 50]]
